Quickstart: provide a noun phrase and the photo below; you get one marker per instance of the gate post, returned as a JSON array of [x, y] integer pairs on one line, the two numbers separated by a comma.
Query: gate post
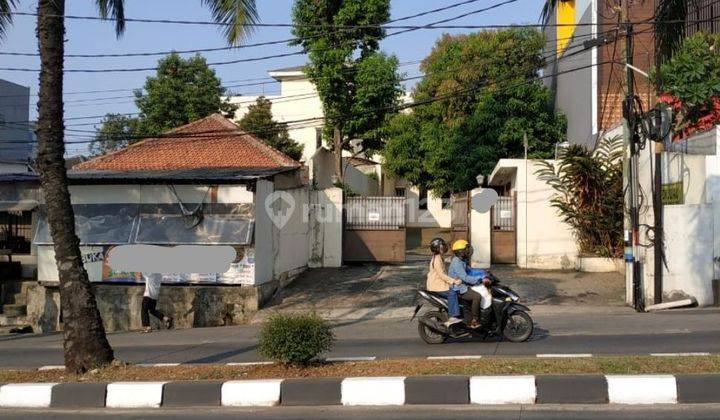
[[479, 234]]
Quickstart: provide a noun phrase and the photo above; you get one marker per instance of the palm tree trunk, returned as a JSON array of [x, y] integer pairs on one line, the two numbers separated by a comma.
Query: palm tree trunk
[[85, 344]]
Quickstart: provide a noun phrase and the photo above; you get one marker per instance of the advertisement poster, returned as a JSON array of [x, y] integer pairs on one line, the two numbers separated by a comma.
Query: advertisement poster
[[242, 270]]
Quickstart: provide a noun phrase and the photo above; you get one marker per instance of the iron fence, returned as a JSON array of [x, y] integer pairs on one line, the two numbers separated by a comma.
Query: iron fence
[[376, 213], [503, 214]]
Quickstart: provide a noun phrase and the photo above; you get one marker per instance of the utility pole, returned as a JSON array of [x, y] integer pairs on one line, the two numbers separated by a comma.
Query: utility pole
[[632, 140]]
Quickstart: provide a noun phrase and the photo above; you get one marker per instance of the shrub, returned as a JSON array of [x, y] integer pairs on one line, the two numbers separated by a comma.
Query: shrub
[[589, 195], [294, 339], [690, 83]]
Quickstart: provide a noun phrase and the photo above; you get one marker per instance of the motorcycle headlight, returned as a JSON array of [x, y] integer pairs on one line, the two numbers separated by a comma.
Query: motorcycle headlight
[[515, 298]]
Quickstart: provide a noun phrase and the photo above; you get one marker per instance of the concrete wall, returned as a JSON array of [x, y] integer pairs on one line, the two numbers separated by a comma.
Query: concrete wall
[[434, 216], [326, 230], [692, 229], [544, 241], [480, 234], [264, 234], [119, 305], [689, 229], [323, 168]]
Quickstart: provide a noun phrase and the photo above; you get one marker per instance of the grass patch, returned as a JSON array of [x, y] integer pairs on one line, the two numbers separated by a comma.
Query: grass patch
[[402, 367]]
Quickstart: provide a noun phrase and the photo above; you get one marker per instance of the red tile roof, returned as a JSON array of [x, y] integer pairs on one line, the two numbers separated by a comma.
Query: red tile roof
[[211, 142]]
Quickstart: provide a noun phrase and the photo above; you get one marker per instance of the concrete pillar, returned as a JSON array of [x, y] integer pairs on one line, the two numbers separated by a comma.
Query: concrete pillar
[[479, 234]]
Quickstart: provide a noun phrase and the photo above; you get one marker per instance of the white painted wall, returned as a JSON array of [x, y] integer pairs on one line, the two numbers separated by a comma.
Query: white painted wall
[[480, 234], [291, 249], [692, 230], [265, 237], [323, 169], [434, 216], [325, 236], [689, 230], [544, 240]]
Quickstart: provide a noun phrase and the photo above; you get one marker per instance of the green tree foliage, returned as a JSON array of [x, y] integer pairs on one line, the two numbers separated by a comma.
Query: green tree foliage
[[589, 195], [357, 84], [116, 132], [692, 77], [183, 90], [259, 121], [491, 96]]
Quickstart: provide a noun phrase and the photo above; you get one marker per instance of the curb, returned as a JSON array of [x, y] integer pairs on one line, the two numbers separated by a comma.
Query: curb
[[371, 391]]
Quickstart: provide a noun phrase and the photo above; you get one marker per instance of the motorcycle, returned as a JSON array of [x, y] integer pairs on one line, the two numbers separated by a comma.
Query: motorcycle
[[510, 319]]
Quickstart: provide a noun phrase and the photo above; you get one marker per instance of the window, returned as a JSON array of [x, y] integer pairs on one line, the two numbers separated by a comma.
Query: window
[[215, 229], [422, 199], [399, 192], [15, 229]]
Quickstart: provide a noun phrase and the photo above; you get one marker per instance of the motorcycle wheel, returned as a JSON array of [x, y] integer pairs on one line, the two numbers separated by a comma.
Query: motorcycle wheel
[[428, 335], [518, 327]]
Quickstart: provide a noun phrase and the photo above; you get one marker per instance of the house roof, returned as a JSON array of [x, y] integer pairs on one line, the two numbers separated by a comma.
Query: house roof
[[211, 144]]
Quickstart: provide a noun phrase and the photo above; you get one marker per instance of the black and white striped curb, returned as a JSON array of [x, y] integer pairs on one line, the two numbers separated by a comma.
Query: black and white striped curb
[[369, 391]]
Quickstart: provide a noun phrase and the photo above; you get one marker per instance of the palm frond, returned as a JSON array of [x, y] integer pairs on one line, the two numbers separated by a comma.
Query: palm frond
[[6, 8], [236, 15], [113, 9]]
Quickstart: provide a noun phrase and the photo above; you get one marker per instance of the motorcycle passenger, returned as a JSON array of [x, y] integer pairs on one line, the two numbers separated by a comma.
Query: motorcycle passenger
[[458, 270], [438, 281]]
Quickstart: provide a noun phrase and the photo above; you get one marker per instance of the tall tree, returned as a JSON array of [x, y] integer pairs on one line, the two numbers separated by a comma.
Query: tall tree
[[259, 121], [183, 90], [491, 96], [358, 85], [85, 345], [116, 131]]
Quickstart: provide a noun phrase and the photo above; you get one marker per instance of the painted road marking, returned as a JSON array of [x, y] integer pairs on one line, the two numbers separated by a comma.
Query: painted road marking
[[152, 365], [351, 359], [51, 367], [679, 354], [560, 356], [453, 357], [248, 363]]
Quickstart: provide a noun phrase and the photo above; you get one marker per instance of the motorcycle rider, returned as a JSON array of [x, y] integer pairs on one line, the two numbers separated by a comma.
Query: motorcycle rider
[[438, 281], [462, 251]]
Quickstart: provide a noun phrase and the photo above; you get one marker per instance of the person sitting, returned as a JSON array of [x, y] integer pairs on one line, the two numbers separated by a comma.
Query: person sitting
[[458, 270], [438, 281]]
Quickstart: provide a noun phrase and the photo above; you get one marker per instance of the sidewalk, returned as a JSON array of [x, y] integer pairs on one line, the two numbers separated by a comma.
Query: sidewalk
[[376, 291]]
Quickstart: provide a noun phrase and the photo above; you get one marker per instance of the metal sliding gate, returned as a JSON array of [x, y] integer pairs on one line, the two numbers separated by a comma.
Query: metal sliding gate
[[503, 239], [374, 229]]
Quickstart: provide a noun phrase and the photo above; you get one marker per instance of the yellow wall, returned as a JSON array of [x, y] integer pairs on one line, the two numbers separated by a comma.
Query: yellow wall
[[565, 16]]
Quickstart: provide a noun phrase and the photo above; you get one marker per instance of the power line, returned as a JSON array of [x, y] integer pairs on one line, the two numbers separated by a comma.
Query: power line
[[549, 53], [228, 48], [246, 60], [449, 95]]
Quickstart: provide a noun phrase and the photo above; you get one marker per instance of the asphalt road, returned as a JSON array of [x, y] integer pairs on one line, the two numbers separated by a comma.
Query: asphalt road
[[567, 333], [380, 413]]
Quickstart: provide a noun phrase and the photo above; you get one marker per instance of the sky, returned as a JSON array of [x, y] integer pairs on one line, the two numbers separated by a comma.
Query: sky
[[96, 37]]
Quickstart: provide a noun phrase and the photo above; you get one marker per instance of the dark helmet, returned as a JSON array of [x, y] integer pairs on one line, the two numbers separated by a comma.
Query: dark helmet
[[438, 246]]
